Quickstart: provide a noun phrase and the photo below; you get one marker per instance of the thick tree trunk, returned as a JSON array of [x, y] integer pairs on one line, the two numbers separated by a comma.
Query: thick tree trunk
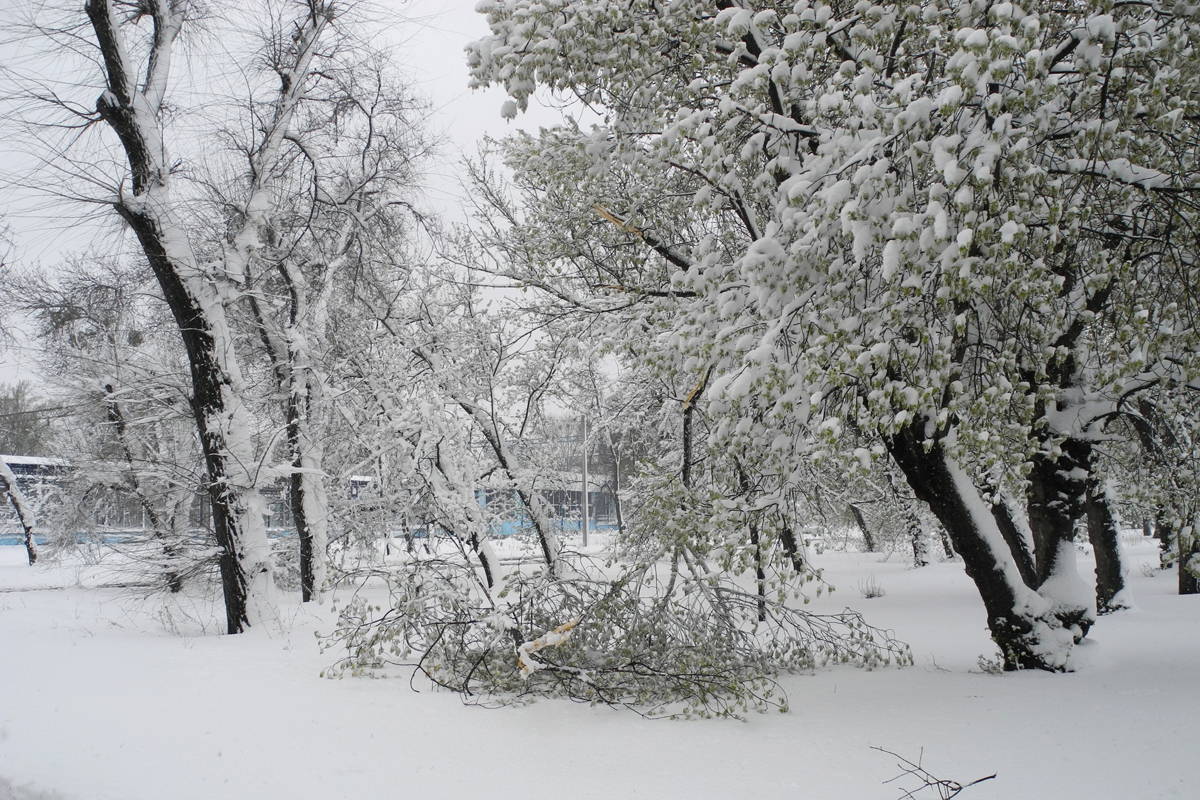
[[240, 537], [1057, 487], [1029, 636], [8, 484], [1106, 544]]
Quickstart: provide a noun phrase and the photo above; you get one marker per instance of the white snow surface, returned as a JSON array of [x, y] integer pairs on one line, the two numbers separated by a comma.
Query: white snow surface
[[102, 697]]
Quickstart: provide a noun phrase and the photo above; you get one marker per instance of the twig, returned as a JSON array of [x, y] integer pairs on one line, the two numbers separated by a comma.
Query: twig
[[946, 789]]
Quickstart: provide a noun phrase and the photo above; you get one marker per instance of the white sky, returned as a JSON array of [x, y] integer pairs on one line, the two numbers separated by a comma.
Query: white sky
[[432, 56], [429, 51]]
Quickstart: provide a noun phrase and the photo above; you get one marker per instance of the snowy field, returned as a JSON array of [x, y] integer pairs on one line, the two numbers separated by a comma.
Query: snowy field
[[105, 695]]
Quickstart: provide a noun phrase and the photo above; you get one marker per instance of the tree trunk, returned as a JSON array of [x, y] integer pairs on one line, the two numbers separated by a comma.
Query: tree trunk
[[1189, 557], [1057, 487], [1021, 622], [8, 484], [615, 491], [305, 484], [868, 539], [133, 106], [752, 522], [916, 535], [1166, 543], [1019, 543], [1106, 544], [947, 545], [217, 411], [689, 409], [791, 547]]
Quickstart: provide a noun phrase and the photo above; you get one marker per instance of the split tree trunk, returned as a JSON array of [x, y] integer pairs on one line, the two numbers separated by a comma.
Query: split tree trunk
[[1028, 635]]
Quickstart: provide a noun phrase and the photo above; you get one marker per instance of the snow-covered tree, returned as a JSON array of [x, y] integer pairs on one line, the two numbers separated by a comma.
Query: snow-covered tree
[[110, 352], [454, 410], [177, 153], [956, 234], [24, 426], [349, 169]]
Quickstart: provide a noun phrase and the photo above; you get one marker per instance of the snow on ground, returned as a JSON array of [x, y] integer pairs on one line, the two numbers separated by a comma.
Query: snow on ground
[[103, 696]]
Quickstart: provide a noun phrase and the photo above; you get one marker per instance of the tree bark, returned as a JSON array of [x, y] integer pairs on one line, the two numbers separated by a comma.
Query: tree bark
[[1015, 538], [791, 547], [947, 545], [305, 483], [689, 410], [1028, 635], [1188, 562]]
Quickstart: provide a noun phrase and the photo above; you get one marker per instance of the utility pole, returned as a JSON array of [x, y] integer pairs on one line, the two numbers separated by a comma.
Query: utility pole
[[583, 507]]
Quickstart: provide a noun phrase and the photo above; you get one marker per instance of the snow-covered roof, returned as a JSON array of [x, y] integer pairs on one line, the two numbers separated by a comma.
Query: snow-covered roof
[[36, 461]]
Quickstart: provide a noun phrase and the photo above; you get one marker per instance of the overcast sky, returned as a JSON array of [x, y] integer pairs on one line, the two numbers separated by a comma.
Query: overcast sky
[[431, 50], [429, 41]]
